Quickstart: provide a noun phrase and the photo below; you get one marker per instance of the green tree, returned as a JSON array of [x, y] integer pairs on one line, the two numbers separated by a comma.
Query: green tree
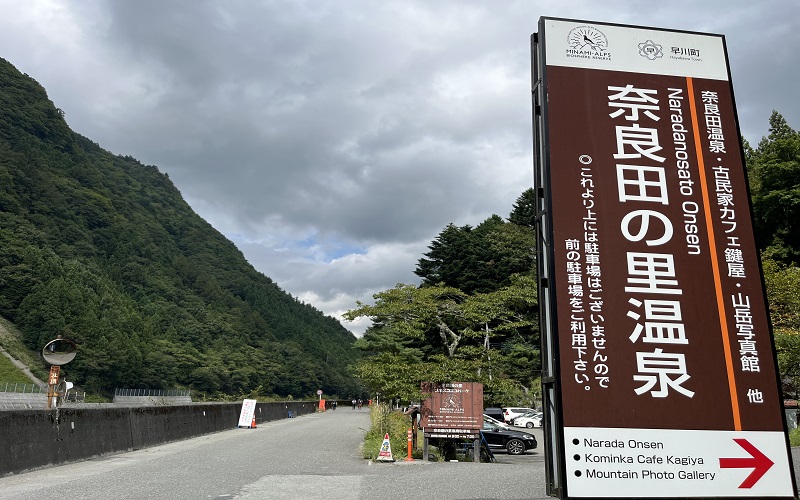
[[524, 211], [480, 259], [473, 318], [419, 312], [783, 291], [774, 172], [438, 333], [774, 175], [787, 347]]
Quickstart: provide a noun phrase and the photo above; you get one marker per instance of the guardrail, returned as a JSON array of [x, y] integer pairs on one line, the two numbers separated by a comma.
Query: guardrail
[[150, 397], [22, 388], [154, 393], [16, 396]]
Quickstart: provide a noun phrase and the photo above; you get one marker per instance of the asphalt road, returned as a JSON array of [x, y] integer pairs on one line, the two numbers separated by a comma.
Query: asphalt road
[[311, 457]]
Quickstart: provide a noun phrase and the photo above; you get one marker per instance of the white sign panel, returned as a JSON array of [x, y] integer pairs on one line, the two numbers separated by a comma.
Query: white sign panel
[[248, 412], [618, 48], [614, 463]]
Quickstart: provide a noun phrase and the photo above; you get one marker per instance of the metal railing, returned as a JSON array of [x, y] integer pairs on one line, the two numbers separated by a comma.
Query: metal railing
[[156, 393], [75, 397], [22, 388]]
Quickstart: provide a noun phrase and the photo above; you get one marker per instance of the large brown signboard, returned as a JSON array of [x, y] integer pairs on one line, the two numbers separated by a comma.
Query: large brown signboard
[[452, 409], [666, 378]]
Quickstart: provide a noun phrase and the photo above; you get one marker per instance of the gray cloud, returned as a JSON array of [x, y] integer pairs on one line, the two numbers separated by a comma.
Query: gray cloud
[[332, 141]]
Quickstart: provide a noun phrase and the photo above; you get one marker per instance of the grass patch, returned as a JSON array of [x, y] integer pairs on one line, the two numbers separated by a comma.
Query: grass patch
[[794, 437], [11, 374], [385, 420], [11, 341]]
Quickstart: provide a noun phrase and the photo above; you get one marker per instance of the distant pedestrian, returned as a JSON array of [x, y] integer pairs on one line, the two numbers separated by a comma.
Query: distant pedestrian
[[360, 402], [354, 404]]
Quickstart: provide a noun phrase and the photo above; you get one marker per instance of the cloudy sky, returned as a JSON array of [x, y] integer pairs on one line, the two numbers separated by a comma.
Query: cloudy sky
[[332, 140]]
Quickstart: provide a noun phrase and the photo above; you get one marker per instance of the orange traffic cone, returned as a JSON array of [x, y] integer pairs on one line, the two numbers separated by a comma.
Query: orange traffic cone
[[253, 425]]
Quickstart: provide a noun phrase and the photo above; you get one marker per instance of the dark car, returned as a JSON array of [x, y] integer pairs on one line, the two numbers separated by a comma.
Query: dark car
[[514, 442], [495, 413]]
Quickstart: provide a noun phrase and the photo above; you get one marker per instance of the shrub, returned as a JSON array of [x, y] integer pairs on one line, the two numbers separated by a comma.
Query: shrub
[[794, 437], [385, 420]]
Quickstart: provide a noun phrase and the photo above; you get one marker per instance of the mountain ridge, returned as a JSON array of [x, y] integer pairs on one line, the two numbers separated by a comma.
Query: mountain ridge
[[104, 250]]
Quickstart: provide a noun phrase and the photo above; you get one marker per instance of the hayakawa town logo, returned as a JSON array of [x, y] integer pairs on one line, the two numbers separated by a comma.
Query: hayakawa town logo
[[650, 50]]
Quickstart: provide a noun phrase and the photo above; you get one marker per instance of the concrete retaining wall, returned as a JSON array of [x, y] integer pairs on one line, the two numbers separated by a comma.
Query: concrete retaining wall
[[38, 438]]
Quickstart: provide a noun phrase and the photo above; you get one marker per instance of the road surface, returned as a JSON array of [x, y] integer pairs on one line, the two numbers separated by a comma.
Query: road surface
[[311, 457]]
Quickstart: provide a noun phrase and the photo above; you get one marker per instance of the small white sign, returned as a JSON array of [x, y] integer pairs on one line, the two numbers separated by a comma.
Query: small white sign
[[248, 412], [579, 44]]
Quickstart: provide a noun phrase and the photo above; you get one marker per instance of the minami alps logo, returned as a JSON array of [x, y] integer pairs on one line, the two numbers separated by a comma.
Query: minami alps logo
[[587, 42]]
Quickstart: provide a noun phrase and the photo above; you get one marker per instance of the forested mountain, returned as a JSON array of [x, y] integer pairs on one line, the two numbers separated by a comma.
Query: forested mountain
[[104, 250]]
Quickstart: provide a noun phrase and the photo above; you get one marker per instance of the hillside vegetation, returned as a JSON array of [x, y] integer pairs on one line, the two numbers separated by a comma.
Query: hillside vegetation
[[103, 250]]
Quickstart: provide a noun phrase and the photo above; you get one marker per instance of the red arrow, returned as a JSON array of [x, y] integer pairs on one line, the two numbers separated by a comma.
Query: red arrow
[[758, 461]]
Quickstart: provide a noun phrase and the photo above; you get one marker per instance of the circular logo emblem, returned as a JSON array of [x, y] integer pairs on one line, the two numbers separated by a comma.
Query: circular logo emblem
[[650, 50], [585, 38]]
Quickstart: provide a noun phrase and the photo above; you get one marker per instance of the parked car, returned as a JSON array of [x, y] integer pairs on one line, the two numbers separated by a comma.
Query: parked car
[[529, 420], [513, 441], [495, 413], [509, 414], [529, 414], [500, 423]]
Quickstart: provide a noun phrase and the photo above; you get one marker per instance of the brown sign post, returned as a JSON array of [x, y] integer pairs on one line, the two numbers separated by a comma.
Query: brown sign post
[[661, 378], [452, 410]]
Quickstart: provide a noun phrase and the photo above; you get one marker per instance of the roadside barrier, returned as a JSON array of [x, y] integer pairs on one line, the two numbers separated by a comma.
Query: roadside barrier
[[39, 438]]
